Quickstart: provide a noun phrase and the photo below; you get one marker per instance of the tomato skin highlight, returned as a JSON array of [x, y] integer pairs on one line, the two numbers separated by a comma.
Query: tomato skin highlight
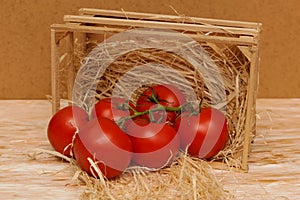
[[113, 108], [204, 134], [168, 95], [110, 108], [154, 145], [106, 144], [62, 127]]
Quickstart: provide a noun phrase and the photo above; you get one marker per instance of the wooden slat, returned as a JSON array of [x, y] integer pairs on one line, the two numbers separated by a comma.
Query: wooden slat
[[54, 71], [70, 65], [251, 99], [255, 63], [157, 24], [198, 37], [250, 109], [166, 18]]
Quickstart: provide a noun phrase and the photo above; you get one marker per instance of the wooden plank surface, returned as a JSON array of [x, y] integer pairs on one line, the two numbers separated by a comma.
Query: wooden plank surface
[[243, 40], [274, 162], [166, 18], [157, 24], [274, 171]]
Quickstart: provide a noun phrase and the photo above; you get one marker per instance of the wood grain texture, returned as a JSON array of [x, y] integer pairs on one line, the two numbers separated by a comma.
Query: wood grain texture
[[22, 129], [274, 161]]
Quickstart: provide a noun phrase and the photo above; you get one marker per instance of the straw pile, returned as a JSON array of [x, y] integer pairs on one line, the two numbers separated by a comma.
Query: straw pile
[[226, 64], [186, 178]]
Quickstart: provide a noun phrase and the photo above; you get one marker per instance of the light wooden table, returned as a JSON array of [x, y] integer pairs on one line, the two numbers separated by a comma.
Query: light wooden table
[[274, 161]]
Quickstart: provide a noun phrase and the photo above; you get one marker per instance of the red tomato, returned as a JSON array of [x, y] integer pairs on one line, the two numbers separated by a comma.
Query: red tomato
[[167, 95], [154, 145], [63, 126], [106, 144], [204, 134], [112, 108]]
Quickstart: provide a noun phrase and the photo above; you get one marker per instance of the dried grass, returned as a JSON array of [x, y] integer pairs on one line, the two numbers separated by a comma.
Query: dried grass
[[231, 64], [187, 178]]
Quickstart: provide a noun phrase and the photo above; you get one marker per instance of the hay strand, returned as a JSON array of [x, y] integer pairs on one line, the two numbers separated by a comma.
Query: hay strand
[[186, 178]]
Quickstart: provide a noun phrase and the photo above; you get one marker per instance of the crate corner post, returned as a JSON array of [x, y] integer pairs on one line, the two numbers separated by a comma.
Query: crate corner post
[[54, 71]]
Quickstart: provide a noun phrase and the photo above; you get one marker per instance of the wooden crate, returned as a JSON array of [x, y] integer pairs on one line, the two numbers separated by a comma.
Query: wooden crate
[[230, 39]]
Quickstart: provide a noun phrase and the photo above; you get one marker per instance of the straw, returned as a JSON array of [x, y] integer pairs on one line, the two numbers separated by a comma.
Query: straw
[[232, 65]]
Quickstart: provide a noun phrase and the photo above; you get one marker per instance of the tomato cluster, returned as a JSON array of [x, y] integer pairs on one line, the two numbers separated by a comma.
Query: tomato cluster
[[149, 133]]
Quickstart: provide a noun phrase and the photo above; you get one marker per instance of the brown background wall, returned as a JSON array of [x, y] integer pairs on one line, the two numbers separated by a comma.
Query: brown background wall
[[25, 38]]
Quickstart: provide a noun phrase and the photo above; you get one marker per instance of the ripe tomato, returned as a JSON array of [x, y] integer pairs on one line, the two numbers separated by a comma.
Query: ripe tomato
[[204, 134], [106, 144], [112, 108], [167, 95], [154, 145], [63, 126]]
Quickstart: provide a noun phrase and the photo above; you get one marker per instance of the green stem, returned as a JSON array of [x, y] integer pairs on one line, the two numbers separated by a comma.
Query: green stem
[[153, 96], [185, 107], [194, 111], [159, 107]]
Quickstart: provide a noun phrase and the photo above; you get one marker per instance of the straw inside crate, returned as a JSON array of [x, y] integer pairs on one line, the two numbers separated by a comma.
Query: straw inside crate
[[233, 67]]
